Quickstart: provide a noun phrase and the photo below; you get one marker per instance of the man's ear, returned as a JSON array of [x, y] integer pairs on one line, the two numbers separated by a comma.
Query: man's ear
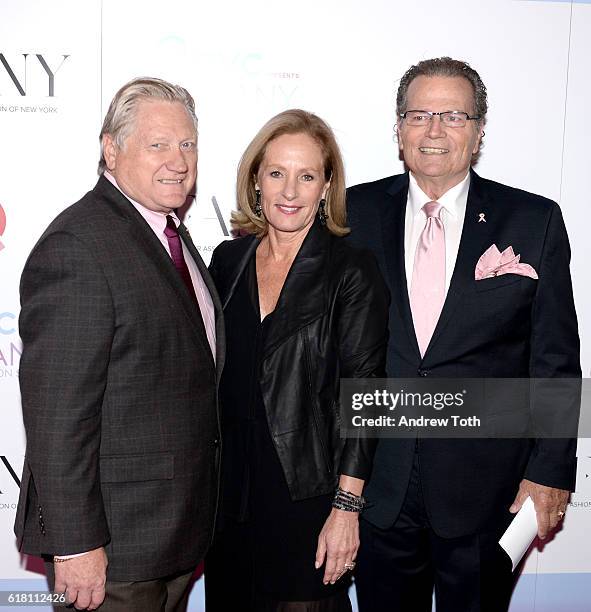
[[110, 151], [478, 142]]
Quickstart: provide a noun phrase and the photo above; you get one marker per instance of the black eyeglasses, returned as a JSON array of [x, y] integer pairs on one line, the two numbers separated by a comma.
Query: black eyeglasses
[[455, 119]]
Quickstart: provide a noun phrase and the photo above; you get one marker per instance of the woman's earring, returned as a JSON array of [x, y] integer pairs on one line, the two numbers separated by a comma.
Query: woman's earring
[[258, 210], [322, 211]]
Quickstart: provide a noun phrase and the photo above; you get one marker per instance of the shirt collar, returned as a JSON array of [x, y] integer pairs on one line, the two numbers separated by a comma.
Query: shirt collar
[[417, 198], [156, 220]]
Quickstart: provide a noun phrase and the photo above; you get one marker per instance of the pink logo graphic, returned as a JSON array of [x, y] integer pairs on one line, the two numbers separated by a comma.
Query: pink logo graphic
[[2, 224]]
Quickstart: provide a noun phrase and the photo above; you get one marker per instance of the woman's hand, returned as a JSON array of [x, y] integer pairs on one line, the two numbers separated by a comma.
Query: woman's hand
[[338, 543]]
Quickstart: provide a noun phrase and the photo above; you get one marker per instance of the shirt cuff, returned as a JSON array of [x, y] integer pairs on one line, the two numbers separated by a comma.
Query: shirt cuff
[[65, 557]]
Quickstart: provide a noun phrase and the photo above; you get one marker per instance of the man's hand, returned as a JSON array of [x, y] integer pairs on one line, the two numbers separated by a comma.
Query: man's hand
[[550, 504], [82, 579], [338, 543]]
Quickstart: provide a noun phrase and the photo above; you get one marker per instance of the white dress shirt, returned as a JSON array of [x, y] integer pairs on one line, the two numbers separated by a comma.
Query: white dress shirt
[[453, 210]]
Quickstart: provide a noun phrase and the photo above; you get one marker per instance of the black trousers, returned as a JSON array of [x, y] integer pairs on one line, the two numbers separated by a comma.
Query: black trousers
[[399, 567]]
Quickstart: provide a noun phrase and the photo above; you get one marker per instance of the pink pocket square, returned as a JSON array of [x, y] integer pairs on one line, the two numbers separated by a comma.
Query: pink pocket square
[[494, 263]]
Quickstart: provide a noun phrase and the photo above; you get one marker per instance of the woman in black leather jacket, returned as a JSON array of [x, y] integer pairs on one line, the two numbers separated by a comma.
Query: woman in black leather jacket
[[303, 309]]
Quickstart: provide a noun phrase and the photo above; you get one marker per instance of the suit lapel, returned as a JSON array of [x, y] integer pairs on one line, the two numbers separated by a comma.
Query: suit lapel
[[393, 243], [475, 239], [155, 251]]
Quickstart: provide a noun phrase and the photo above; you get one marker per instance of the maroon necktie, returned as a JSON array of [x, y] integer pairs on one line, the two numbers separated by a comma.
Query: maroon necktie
[[176, 252]]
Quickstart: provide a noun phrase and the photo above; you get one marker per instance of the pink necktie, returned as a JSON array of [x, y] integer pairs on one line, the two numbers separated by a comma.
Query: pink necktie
[[427, 288]]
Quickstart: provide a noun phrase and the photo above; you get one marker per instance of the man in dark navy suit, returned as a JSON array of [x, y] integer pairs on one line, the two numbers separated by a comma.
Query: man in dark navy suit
[[437, 507]]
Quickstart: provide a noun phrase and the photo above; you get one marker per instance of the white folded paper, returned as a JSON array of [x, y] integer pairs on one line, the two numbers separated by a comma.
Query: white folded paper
[[520, 533]]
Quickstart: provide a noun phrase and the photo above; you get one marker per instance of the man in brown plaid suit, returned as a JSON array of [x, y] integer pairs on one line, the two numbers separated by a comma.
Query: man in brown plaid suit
[[122, 352]]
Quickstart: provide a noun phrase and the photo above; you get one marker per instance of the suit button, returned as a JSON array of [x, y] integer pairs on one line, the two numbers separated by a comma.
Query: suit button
[[216, 442], [422, 372]]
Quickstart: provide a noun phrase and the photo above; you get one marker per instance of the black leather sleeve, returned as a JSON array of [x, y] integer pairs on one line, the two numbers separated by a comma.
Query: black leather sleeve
[[363, 304]]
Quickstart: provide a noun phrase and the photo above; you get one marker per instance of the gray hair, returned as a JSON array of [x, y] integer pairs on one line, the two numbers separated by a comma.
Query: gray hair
[[445, 67], [121, 115]]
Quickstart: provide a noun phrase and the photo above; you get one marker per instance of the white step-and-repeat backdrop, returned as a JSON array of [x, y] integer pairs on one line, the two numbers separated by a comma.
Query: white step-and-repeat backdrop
[[62, 61]]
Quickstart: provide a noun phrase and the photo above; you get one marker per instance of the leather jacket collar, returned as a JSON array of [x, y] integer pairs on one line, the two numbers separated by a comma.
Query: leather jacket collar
[[303, 297]]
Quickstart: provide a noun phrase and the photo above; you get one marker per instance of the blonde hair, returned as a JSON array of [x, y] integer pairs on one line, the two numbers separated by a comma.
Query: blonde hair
[[119, 119], [294, 121]]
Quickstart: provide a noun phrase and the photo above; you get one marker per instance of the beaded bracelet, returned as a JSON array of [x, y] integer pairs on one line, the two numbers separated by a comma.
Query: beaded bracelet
[[347, 501]]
